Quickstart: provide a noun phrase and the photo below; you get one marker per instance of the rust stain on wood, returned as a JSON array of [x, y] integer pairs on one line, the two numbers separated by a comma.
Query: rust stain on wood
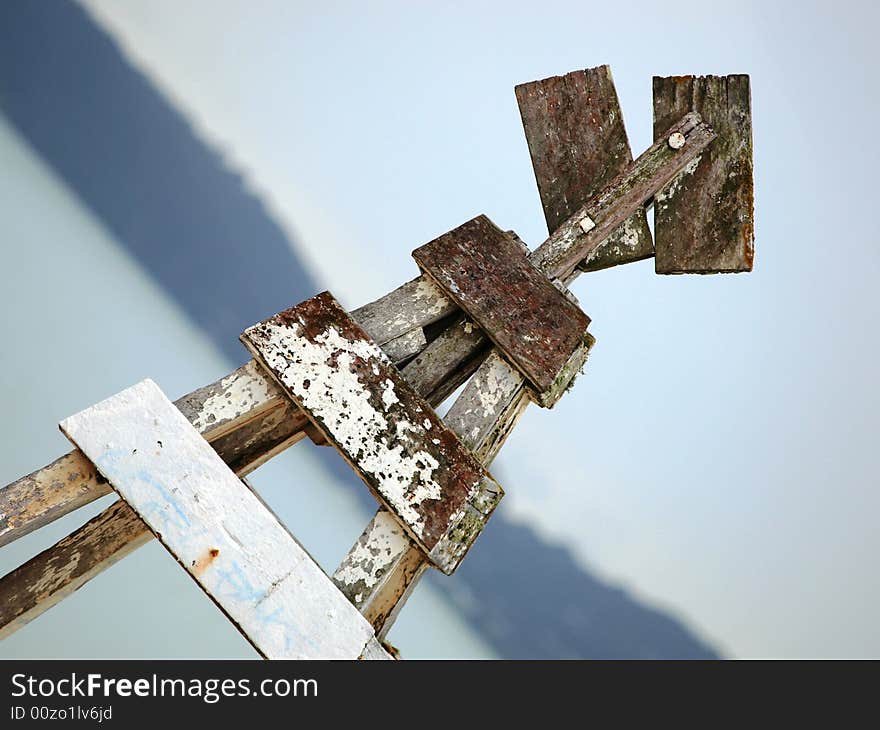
[[704, 220], [391, 436], [200, 565], [578, 144], [488, 275]]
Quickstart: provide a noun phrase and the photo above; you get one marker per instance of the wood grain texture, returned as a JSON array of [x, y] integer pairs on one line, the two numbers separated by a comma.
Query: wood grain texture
[[573, 245], [66, 484], [578, 144], [416, 304], [704, 220], [458, 349], [33, 588], [391, 436], [380, 571], [216, 528], [487, 274]]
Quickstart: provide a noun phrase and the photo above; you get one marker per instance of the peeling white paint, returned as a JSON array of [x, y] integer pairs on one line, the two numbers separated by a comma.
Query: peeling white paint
[[404, 477], [216, 528], [244, 390], [369, 560]]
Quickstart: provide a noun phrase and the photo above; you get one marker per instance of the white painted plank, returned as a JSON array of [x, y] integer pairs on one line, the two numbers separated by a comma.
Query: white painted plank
[[221, 533]]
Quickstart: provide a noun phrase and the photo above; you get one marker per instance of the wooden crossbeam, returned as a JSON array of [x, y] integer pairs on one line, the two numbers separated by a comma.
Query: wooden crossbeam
[[390, 436], [532, 322], [217, 529], [244, 400]]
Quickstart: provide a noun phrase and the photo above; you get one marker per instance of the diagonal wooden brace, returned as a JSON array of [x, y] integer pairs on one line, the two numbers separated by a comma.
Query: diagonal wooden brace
[[488, 274], [217, 529], [391, 437]]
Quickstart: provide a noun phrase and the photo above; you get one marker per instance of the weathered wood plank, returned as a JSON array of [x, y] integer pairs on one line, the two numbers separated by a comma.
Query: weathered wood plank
[[450, 352], [45, 495], [216, 528], [704, 220], [44, 580], [578, 144], [243, 448], [391, 437], [416, 304], [490, 278], [380, 572], [577, 240]]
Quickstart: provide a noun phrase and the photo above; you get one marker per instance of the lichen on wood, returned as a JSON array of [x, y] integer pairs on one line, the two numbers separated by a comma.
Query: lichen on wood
[[704, 220]]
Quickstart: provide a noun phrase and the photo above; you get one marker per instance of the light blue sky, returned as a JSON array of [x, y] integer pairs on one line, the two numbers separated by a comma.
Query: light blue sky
[[719, 456]]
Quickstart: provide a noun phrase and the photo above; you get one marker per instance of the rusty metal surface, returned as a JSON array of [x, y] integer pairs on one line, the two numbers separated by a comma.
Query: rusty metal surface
[[578, 144], [489, 277], [704, 220], [392, 438]]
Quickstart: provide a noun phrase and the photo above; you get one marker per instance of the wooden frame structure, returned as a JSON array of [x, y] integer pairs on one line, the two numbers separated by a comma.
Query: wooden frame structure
[[485, 313]]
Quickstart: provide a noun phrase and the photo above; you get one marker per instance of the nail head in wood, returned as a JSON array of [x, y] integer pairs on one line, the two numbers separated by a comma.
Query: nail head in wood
[[676, 140]]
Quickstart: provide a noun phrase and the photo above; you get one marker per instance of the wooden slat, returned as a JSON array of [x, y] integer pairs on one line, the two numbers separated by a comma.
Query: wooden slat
[[416, 304], [216, 528], [66, 484], [704, 221], [380, 571], [391, 436], [488, 275], [54, 574], [578, 144]]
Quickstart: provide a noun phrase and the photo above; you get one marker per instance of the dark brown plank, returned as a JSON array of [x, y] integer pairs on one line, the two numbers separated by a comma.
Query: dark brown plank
[[489, 276], [393, 439], [704, 221], [578, 144]]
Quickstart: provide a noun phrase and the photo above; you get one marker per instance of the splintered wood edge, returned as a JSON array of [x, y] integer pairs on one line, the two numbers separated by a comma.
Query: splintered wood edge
[[270, 589]]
